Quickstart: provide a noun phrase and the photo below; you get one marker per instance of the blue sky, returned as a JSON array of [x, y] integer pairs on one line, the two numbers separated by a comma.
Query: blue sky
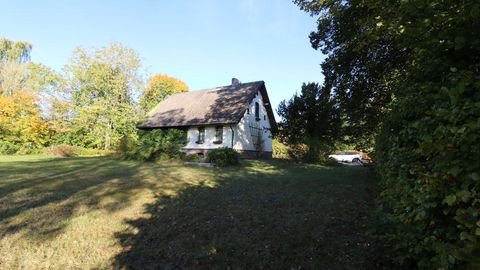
[[204, 43]]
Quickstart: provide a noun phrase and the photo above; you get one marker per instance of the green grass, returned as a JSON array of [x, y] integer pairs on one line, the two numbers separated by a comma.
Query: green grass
[[98, 212]]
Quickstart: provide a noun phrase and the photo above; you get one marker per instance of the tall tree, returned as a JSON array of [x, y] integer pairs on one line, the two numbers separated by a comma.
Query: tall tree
[[363, 62], [22, 130], [310, 118], [103, 84], [24, 87], [410, 70], [15, 51], [159, 87], [13, 68], [17, 73]]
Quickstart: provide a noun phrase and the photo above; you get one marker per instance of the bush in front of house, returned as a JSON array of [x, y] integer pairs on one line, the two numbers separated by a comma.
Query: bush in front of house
[[223, 157], [150, 145], [126, 147]]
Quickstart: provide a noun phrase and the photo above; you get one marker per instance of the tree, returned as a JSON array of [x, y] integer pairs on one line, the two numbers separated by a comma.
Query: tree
[[13, 67], [102, 84], [159, 87], [362, 65], [22, 130], [17, 73], [23, 86], [310, 118], [408, 71], [15, 51]]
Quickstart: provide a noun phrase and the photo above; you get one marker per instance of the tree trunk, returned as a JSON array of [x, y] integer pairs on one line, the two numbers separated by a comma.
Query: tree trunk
[[107, 142], [108, 138]]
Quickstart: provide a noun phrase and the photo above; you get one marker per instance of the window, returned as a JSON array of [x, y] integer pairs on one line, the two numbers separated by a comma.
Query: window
[[201, 135], [257, 111], [218, 135]]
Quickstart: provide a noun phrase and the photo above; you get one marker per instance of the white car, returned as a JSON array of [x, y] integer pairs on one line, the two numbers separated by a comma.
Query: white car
[[347, 157]]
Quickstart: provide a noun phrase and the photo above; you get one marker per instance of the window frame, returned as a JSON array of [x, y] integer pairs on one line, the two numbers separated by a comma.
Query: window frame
[[201, 135], [218, 135], [257, 111]]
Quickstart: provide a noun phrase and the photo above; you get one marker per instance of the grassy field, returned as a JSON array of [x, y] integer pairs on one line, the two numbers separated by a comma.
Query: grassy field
[[102, 213]]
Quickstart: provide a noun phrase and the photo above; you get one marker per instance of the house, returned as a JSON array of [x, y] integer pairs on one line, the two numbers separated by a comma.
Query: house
[[237, 116]]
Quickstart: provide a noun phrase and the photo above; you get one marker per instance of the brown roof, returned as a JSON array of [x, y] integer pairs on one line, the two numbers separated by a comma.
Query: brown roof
[[220, 105]]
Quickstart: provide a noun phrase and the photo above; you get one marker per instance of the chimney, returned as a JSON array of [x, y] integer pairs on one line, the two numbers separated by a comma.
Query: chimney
[[235, 82]]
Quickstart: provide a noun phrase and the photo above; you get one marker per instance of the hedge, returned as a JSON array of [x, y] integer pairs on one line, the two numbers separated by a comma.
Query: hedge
[[428, 157]]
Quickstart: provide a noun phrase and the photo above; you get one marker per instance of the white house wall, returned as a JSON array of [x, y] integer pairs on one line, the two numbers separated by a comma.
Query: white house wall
[[192, 137], [243, 137]]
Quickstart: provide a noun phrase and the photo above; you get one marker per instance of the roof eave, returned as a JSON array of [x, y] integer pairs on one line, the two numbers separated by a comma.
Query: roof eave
[[268, 105], [187, 125]]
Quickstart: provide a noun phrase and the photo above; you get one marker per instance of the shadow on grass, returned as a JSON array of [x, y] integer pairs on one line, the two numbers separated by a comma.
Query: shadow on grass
[[38, 197], [277, 216]]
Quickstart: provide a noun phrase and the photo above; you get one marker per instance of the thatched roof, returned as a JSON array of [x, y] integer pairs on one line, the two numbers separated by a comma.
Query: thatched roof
[[220, 105]]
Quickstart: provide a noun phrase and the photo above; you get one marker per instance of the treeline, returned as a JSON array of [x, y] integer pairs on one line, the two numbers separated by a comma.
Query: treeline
[[403, 77], [94, 102]]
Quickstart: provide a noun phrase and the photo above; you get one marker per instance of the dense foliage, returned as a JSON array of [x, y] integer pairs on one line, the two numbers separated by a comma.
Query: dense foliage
[[279, 150], [102, 84], [153, 144], [409, 71], [22, 127], [95, 102], [429, 149], [362, 63], [22, 130], [223, 157], [310, 118]]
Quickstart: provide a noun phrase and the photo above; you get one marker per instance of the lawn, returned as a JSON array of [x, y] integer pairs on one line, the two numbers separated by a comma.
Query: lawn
[[99, 212]]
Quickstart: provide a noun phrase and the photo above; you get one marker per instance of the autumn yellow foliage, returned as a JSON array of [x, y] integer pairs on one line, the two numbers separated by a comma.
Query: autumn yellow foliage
[[159, 87], [21, 124]]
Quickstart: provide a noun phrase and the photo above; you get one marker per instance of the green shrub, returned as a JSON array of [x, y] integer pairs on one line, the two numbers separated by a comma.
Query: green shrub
[[25, 148], [297, 152], [28, 148], [223, 157], [428, 157], [126, 147], [153, 144], [8, 148], [280, 150], [62, 150]]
